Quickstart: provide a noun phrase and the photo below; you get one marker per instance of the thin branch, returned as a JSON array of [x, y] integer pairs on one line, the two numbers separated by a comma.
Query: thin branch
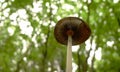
[[21, 59], [85, 67], [45, 52], [79, 60]]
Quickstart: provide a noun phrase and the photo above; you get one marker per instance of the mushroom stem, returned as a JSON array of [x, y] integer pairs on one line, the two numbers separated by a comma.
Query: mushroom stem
[[69, 55]]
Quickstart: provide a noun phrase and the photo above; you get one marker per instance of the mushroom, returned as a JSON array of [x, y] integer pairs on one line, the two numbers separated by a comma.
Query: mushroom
[[71, 31]]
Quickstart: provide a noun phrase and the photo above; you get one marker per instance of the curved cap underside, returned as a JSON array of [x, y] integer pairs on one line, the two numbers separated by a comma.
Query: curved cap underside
[[80, 29]]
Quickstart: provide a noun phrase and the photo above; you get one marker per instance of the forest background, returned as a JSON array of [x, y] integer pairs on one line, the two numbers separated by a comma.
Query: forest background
[[27, 42]]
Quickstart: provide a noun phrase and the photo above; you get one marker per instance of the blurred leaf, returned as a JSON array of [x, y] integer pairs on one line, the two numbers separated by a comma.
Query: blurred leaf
[[21, 4]]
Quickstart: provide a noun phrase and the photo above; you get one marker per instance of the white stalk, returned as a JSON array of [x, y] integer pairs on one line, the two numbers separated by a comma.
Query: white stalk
[[69, 55]]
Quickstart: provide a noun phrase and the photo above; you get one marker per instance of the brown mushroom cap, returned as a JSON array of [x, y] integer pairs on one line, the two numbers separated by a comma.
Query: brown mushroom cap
[[81, 30]]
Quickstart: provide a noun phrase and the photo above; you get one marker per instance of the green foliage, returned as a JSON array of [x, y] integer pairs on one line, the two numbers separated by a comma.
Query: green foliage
[[27, 42], [21, 3]]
